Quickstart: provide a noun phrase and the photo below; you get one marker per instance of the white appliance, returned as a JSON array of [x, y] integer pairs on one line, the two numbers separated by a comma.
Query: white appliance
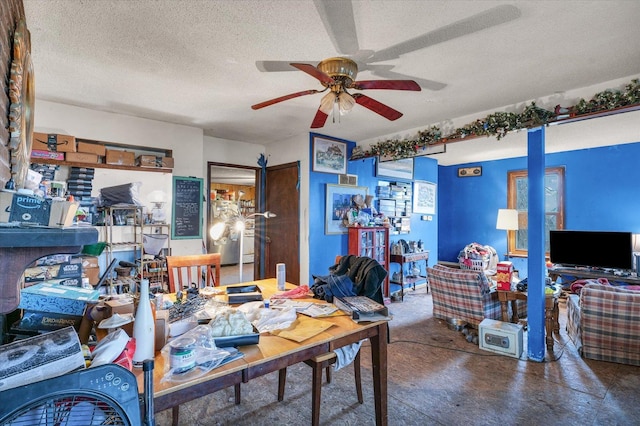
[[500, 337]]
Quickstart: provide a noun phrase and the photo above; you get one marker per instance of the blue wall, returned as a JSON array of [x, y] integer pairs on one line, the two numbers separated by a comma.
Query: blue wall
[[324, 248], [601, 193]]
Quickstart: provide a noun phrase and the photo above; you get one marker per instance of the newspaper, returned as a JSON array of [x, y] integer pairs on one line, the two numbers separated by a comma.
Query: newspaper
[[40, 357]]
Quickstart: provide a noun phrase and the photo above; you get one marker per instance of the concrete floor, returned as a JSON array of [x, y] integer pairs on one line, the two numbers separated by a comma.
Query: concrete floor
[[435, 377]]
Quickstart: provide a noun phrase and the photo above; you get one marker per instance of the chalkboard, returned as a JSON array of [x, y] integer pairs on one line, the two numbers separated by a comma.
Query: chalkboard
[[187, 208]]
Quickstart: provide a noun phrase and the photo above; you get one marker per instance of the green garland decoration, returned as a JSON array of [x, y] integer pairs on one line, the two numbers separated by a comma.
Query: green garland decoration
[[499, 124]]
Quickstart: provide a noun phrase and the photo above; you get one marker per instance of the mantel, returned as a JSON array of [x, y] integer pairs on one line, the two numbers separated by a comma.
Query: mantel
[[21, 246]]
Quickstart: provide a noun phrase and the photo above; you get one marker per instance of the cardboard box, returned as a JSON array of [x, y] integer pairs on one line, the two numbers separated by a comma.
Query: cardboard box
[[6, 198], [504, 274], [91, 148], [47, 321], [40, 273], [167, 162], [89, 261], [28, 209], [49, 296], [37, 154], [62, 213], [120, 158], [154, 161], [92, 273], [82, 157], [53, 142], [162, 328]]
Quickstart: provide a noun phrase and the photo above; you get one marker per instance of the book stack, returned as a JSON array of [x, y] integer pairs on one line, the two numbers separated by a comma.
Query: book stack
[[79, 183]]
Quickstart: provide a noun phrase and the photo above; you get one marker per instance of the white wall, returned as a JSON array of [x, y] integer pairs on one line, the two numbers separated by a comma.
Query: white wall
[[289, 151], [186, 143]]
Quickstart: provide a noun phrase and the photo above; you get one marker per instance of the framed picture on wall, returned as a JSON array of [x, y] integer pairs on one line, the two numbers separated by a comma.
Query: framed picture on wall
[[424, 197], [401, 169], [329, 155], [339, 201]]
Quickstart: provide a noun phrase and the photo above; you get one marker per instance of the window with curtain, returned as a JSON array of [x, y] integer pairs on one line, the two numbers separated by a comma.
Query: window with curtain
[[518, 198]]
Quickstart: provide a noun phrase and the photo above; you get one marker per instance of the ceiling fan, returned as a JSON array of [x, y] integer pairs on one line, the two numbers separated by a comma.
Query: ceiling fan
[[338, 75]]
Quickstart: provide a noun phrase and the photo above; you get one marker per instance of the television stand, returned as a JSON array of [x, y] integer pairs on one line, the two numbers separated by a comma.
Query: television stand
[[574, 273]]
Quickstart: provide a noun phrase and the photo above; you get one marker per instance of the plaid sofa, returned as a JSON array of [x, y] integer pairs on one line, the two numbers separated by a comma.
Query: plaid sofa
[[462, 294], [604, 323]]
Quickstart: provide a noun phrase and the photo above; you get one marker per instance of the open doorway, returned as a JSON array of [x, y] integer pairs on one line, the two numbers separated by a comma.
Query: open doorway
[[232, 194]]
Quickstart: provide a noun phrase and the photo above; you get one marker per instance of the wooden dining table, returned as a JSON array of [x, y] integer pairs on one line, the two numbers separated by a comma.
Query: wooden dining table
[[273, 353]]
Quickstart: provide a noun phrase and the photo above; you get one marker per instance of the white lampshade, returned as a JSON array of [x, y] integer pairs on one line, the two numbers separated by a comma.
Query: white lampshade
[[346, 103], [326, 103], [507, 219]]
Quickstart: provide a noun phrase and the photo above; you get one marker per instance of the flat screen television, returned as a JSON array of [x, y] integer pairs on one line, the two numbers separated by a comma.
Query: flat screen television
[[597, 249]]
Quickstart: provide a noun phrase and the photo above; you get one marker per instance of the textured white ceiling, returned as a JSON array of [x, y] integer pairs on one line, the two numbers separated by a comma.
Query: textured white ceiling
[[194, 62]]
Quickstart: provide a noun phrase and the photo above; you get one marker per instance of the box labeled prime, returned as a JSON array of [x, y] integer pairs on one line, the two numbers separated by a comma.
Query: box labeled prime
[[29, 209]]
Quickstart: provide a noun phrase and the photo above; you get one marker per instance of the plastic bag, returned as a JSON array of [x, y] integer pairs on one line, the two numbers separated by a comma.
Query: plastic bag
[[128, 193], [192, 355]]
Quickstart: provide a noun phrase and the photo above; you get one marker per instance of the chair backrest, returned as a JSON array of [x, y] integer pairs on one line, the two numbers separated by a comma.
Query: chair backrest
[[185, 270], [461, 294]]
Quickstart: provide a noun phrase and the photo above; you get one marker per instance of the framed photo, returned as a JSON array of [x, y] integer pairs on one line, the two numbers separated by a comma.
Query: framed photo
[[424, 197], [339, 201], [329, 155], [401, 169]]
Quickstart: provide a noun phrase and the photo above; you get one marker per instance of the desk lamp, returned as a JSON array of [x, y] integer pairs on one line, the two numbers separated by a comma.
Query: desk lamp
[[508, 221]]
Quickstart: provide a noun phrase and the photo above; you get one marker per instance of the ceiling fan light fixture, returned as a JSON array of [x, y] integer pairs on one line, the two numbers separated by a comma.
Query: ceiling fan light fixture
[[326, 103], [346, 103]]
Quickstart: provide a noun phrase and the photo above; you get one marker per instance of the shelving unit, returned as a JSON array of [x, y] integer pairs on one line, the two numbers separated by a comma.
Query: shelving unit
[[123, 216], [411, 280], [372, 242], [395, 200], [139, 150], [155, 269]]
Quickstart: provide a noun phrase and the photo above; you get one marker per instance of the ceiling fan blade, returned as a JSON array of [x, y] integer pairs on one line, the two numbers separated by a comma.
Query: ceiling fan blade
[[337, 17], [319, 119], [277, 66], [377, 107], [384, 71], [387, 84], [481, 21], [283, 98], [313, 72]]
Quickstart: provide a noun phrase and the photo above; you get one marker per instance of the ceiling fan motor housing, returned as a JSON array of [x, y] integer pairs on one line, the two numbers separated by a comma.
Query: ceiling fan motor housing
[[342, 70]]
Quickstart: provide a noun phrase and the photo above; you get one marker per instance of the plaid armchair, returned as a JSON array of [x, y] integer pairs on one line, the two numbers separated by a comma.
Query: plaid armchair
[[463, 294], [604, 323]]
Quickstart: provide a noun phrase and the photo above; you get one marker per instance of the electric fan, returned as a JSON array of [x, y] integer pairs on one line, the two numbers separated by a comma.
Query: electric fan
[[104, 395]]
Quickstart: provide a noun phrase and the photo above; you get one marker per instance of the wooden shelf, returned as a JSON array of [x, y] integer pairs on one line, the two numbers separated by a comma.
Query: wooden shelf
[[101, 165]]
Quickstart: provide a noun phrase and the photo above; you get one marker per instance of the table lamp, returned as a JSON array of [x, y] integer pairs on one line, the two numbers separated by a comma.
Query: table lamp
[[508, 221]]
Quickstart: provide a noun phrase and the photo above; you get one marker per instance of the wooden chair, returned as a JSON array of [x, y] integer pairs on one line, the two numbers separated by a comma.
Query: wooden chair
[[318, 363], [185, 270], [191, 269]]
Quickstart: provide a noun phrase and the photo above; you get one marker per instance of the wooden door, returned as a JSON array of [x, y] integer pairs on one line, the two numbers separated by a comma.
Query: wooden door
[[282, 233]]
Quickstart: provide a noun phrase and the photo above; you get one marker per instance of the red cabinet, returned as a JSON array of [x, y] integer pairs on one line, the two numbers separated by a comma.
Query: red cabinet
[[372, 242]]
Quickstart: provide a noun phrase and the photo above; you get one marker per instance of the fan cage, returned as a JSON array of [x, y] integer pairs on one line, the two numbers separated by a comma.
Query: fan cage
[[72, 407]]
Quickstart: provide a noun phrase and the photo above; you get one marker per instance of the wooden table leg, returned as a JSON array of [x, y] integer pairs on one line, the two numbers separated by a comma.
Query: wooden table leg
[[505, 310], [549, 323], [551, 320], [379, 364]]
